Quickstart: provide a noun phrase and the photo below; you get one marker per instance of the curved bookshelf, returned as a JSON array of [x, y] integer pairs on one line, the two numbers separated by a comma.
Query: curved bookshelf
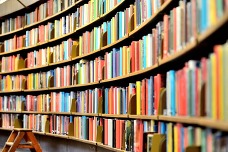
[[80, 29], [44, 20], [84, 114]]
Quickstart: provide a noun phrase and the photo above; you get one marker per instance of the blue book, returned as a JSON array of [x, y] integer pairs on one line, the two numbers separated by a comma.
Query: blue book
[[65, 50], [163, 127], [109, 32], [27, 38], [120, 24], [204, 13], [182, 139], [172, 92], [121, 61], [149, 8]]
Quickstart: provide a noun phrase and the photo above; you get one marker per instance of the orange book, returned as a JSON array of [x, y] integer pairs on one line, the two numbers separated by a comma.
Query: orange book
[[118, 137], [91, 129]]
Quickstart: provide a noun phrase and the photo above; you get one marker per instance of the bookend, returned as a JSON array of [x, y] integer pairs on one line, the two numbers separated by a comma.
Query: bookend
[[18, 123], [131, 23], [22, 106], [193, 149], [2, 48], [21, 64], [103, 41], [24, 84], [52, 33], [100, 105], [202, 100], [47, 126], [162, 101], [99, 134], [103, 73], [158, 142], [50, 81], [71, 129], [73, 106], [75, 50], [50, 58], [132, 105]]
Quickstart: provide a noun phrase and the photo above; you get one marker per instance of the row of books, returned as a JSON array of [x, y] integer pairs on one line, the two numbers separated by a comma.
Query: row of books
[[179, 137], [198, 89], [129, 135], [184, 87], [12, 82], [43, 33], [14, 43], [41, 12], [12, 103]]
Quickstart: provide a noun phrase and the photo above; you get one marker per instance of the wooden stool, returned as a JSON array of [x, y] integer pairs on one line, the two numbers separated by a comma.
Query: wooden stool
[[15, 138]]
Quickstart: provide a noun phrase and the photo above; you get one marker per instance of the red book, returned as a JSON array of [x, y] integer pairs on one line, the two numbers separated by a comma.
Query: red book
[[143, 97], [166, 36], [132, 58], [137, 56]]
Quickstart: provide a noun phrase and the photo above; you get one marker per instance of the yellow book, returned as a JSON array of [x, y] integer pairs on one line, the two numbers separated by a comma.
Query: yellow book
[[138, 97], [135, 19], [212, 12], [152, 123], [213, 85], [112, 30], [123, 60], [170, 137], [175, 138], [198, 136]]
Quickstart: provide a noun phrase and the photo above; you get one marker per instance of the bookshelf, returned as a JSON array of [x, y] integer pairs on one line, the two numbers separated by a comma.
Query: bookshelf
[[87, 86]]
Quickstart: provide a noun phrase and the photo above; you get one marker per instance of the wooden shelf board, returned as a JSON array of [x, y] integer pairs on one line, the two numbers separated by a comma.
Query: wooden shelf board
[[201, 121], [35, 90], [131, 74], [82, 140], [60, 113], [143, 117], [11, 52], [85, 55], [213, 28], [160, 10], [56, 135], [178, 54], [109, 147], [11, 32], [10, 111], [114, 115], [115, 43], [84, 114], [178, 119], [34, 112], [6, 129], [13, 91], [60, 62], [39, 133]]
